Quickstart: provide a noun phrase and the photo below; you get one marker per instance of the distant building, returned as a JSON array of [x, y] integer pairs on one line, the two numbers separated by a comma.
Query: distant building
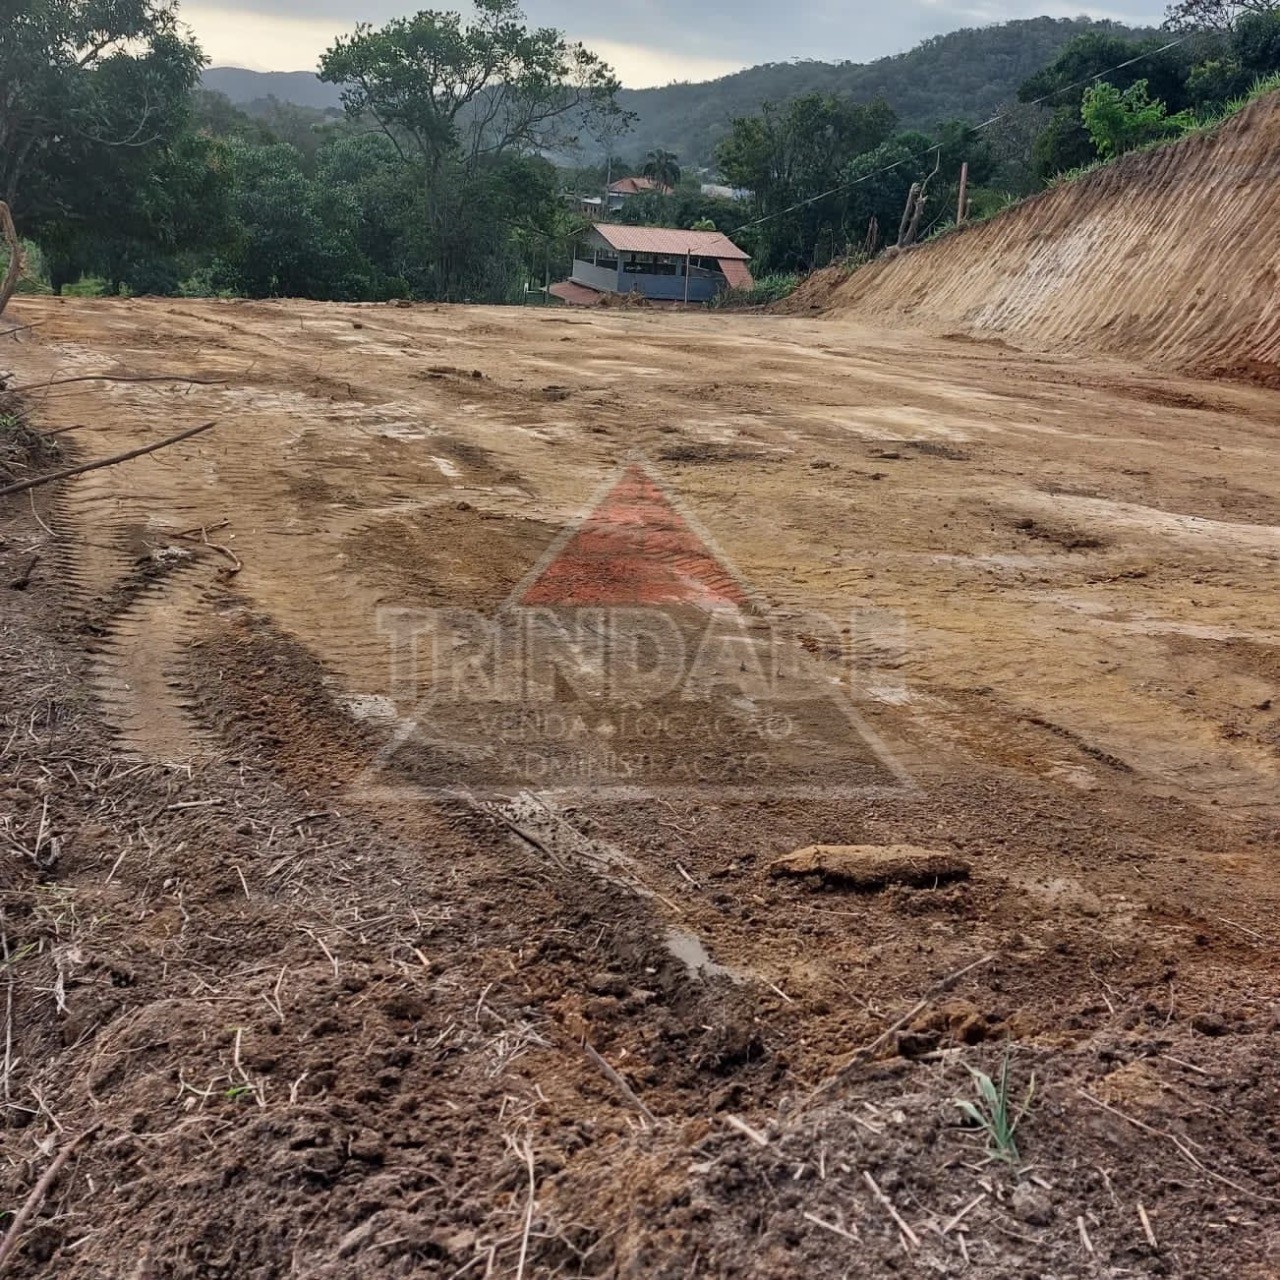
[[717, 192], [661, 264], [621, 191]]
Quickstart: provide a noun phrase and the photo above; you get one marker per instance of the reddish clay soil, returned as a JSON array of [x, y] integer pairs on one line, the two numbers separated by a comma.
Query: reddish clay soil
[[339, 959]]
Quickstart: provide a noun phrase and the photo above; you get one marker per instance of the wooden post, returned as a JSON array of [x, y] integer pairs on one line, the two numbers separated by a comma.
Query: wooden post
[[962, 208]]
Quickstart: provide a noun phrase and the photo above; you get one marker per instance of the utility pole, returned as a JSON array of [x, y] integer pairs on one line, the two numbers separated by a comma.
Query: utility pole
[[962, 208]]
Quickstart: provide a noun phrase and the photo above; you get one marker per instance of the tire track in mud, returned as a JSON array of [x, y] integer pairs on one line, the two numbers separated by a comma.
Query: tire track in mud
[[142, 612], [137, 671]]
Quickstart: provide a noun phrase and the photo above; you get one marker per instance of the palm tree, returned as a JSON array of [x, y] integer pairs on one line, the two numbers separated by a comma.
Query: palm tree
[[662, 167]]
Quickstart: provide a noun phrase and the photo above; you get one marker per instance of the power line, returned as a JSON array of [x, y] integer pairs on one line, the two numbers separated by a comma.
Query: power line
[[977, 128]]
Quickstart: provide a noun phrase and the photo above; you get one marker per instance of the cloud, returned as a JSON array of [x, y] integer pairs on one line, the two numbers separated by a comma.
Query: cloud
[[650, 41], [262, 41]]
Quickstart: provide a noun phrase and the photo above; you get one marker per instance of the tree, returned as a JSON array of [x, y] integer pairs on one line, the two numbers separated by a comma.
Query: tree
[[458, 102], [1119, 120], [1096, 57], [1213, 15], [470, 91], [82, 77], [296, 238], [1062, 145], [792, 159], [1256, 42], [663, 168]]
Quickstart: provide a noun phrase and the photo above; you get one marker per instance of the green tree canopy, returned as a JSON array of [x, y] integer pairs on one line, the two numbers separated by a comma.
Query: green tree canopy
[[662, 167], [1120, 119], [468, 91], [83, 78], [1213, 15], [792, 159], [467, 106]]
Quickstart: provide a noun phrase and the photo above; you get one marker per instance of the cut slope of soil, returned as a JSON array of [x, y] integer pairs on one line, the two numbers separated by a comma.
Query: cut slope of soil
[[1170, 257]]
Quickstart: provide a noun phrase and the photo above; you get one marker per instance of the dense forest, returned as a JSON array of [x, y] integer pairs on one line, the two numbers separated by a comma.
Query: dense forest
[[450, 170]]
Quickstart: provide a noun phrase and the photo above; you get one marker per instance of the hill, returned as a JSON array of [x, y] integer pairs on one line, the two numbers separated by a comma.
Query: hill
[[302, 88], [967, 73]]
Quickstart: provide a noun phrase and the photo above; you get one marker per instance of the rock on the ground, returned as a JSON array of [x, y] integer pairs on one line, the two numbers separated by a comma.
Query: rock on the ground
[[872, 866]]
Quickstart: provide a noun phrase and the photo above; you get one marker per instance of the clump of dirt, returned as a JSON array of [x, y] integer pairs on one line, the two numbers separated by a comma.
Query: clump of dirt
[[1065, 536], [870, 867], [940, 449], [706, 451]]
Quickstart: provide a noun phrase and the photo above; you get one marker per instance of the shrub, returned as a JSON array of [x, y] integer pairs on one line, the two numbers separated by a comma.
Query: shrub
[[767, 289]]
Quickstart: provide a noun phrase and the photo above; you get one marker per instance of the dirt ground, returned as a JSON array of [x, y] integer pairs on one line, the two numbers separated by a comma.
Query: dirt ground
[[333, 974]]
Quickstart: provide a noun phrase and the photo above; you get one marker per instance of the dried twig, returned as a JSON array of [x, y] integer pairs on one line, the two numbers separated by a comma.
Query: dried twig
[[1180, 1144], [835, 1229], [8, 1007], [1084, 1234], [955, 1222], [888, 1206], [1146, 1226], [23, 485], [333, 960], [38, 1193], [746, 1130], [525, 1153], [616, 1080]]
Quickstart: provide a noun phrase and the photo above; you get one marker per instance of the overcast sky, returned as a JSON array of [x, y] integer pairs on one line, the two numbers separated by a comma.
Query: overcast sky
[[647, 41]]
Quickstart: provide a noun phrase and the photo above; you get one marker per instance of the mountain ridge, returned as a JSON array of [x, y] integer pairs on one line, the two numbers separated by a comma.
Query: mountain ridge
[[969, 74]]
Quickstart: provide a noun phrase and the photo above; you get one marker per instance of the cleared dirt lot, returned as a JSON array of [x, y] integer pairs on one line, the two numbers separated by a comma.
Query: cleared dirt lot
[[330, 1026]]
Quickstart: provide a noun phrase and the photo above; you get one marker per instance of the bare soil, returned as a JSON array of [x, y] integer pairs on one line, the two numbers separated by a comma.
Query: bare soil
[[467, 1022]]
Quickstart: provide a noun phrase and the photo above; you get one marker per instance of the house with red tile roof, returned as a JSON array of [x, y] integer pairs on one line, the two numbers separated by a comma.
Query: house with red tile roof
[[619, 192], [660, 264]]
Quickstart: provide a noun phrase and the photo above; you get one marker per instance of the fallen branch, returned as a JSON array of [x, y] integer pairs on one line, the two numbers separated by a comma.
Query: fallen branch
[[38, 1193], [189, 536], [23, 485], [20, 328], [120, 377]]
